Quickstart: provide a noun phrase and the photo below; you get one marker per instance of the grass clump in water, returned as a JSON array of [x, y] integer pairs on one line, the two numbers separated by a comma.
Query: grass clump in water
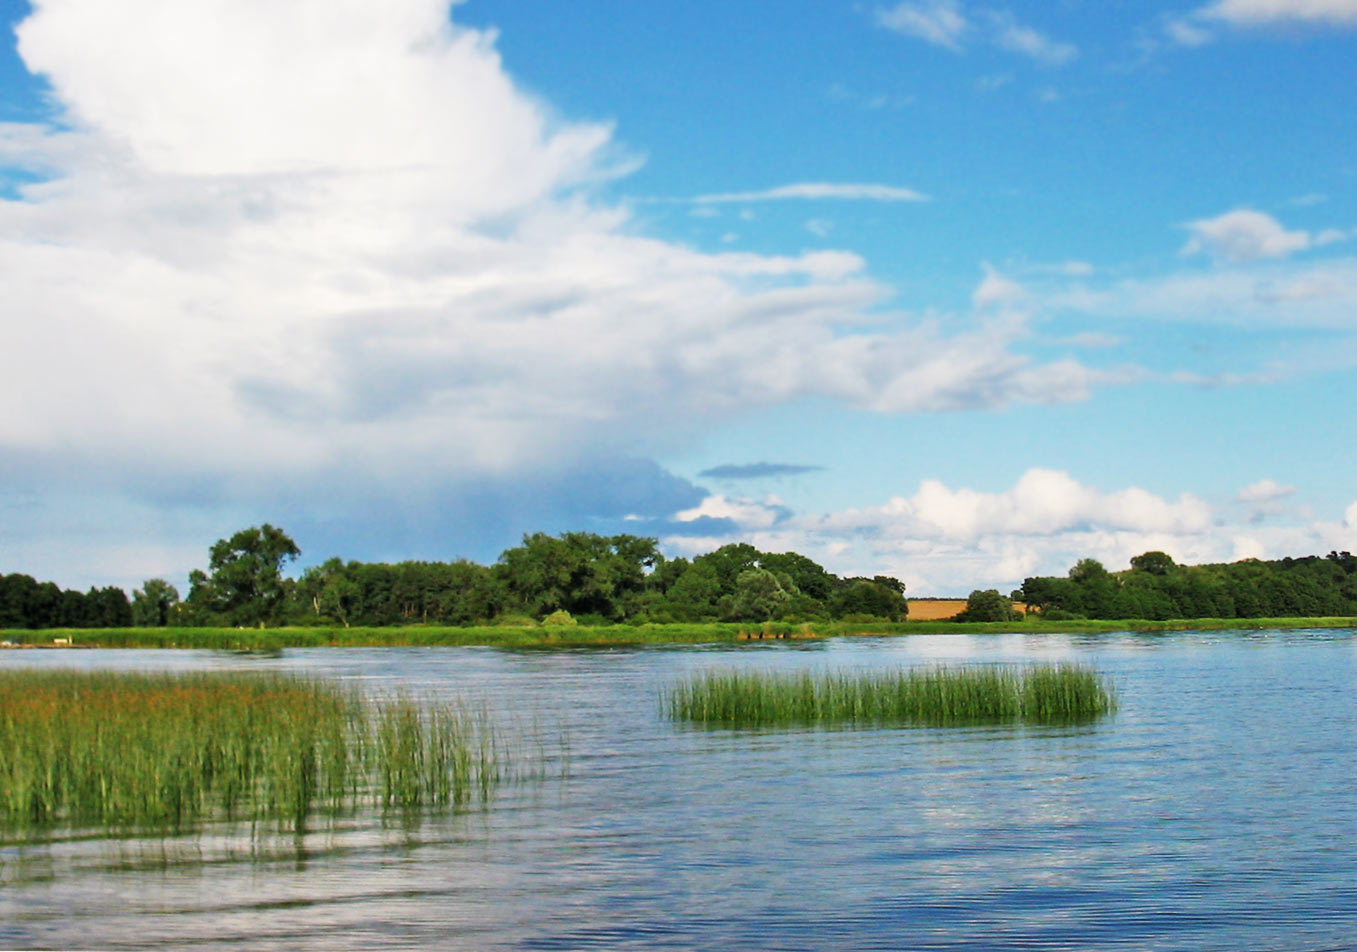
[[167, 751], [935, 697]]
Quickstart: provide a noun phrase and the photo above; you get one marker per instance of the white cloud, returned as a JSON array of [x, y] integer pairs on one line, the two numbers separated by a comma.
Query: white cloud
[[748, 513], [820, 227], [1244, 235], [945, 23], [939, 22], [1013, 36], [1185, 31], [810, 191], [1263, 491], [1293, 294], [948, 541], [1263, 12], [995, 290], [282, 246]]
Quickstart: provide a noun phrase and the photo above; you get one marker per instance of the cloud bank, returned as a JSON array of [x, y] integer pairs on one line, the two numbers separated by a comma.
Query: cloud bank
[[283, 255], [943, 540]]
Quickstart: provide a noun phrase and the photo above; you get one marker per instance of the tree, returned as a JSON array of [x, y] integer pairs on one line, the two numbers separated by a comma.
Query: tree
[[878, 597], [153, 603], [1155, 563], [759, 595], [247, 574], [988, 605]]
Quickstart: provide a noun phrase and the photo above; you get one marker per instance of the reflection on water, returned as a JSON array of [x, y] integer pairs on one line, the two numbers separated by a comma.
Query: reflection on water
[[1213, 811]]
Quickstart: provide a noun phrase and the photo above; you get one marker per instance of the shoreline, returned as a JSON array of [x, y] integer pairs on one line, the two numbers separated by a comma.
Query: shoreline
[[274, 639]]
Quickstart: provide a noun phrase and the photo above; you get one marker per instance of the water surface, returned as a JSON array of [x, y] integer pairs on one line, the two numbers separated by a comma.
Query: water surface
[[1215, 810]]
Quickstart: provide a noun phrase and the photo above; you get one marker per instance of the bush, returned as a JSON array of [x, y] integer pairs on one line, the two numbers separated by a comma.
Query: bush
[[559, 619]]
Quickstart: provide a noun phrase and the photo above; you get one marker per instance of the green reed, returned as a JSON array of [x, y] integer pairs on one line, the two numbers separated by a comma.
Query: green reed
[[937, 696], [137, 751]]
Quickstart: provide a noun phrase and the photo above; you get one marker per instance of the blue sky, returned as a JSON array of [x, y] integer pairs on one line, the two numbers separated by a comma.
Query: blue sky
[[958, 292]]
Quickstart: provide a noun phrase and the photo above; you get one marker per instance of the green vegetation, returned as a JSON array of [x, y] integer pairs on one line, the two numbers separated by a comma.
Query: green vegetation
[[168, 751], [587, 582], [988, 605], [593, 579], [529, 634], [1156, 588], [936, 697]]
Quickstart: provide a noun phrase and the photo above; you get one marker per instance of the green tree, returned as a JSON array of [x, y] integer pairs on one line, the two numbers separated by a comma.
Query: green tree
[[759, 595], [154, 603], [878, 597], [246, 582], [1155, 563], [988, 605]]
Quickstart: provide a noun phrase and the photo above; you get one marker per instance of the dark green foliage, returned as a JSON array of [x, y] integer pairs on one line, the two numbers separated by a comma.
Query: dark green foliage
[[1050, 694], [1157, 588], [27, 603], [988, 605], [154, 604], [880, 597], [759, 595], [246, 584]]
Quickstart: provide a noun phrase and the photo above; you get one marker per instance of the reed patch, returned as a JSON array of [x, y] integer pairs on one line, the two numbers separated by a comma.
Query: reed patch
[[168, 751], [935, 697]]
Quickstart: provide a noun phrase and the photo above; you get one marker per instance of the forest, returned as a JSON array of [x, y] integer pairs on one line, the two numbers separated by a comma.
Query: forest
[[1155, 588], [577, 577], [580, 578]]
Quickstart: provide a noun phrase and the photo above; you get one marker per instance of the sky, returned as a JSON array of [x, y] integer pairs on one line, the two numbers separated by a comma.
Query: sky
[[959, 292]]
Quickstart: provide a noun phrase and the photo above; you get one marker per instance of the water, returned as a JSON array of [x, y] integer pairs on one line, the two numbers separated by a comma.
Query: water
[[1215, 810]]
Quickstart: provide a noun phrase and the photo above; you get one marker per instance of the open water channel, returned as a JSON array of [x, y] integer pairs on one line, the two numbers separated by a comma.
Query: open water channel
[[1217, 809]]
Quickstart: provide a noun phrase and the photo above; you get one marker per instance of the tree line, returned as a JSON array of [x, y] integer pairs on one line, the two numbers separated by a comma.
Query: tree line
[[1156, 588], [581, 577], [577, 577]]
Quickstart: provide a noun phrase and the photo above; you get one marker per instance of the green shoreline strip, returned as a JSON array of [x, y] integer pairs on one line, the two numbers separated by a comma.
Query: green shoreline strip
[[276, 639]]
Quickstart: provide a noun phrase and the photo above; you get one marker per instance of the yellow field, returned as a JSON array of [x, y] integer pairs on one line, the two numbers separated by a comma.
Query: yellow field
[[935, 609]]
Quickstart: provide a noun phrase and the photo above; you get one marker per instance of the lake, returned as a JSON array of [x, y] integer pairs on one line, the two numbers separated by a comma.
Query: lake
[[1216, 810]]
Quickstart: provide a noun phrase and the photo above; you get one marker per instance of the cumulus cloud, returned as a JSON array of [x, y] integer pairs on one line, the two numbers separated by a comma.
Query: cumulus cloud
[[317, 238], [945, 540], [945, 23], [748, 514], [1244, 235], [1265, 490], [995, 290]]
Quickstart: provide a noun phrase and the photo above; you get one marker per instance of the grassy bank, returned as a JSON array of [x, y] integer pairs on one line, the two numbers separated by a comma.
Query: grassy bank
[[165, 751], [274, 639], [1048, 694]]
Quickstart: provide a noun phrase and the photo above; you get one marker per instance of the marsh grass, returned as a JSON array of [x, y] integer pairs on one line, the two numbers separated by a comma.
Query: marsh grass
[[276, 640], [939, 697], [169, 751]]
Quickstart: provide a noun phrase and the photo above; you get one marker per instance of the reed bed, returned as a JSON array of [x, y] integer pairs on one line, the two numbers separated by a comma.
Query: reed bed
[[169, 751], [935, 697]]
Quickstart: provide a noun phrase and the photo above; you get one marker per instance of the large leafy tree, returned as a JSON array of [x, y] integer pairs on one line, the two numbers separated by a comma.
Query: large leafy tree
[[153, 603], [246, 582]]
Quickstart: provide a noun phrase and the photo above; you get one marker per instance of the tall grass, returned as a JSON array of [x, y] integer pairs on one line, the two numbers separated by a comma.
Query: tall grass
[[1049, 694], [138, 751], [279, 639]]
